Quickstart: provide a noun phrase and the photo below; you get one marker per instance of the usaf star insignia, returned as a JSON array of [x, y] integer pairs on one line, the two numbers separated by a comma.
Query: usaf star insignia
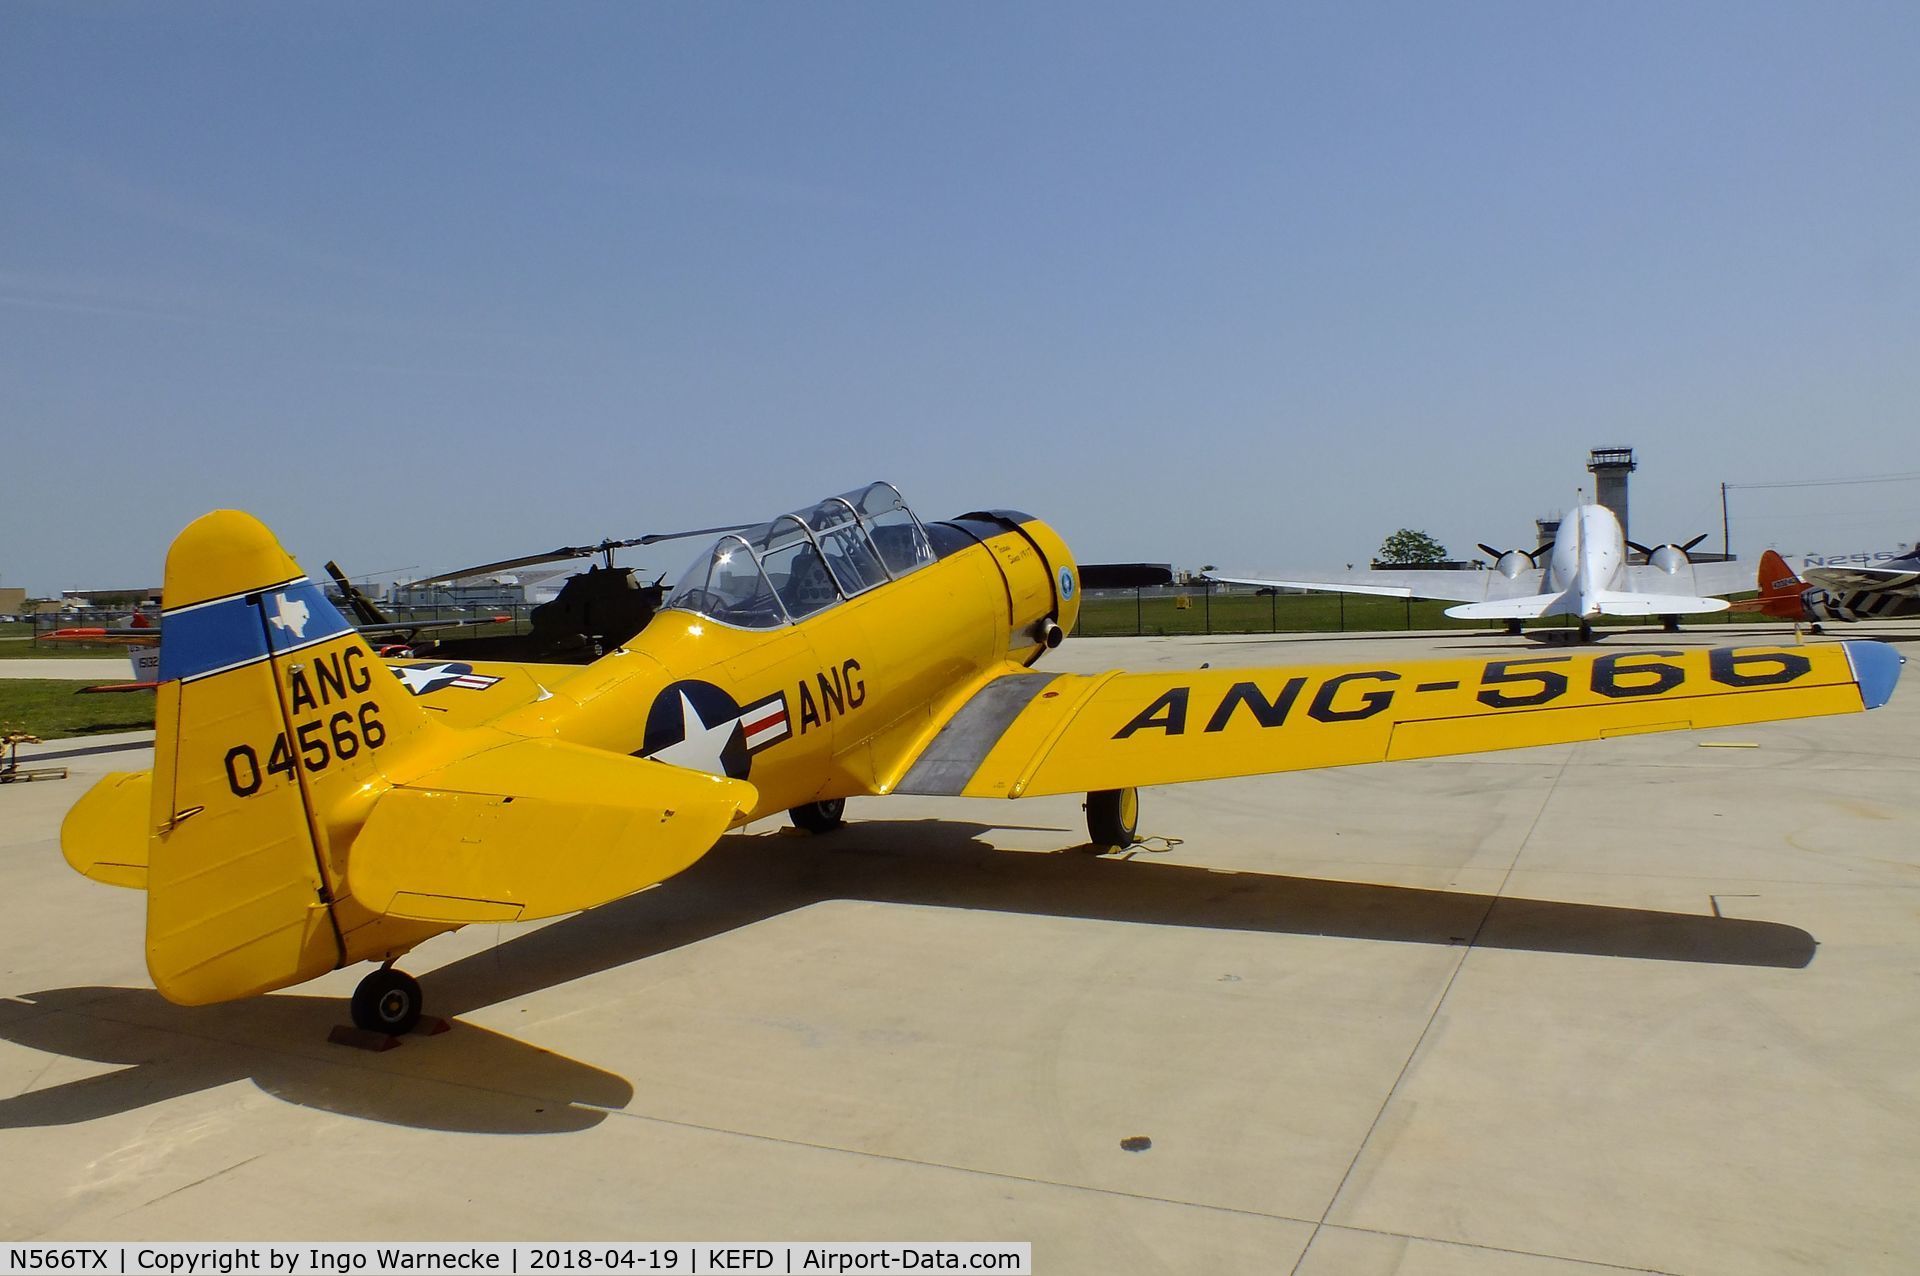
[[697, 725], [424, 680]]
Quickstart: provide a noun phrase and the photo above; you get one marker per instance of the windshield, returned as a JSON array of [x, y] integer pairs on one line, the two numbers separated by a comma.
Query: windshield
[[850, 555], [896, 533], [802, 563], [726, 583]]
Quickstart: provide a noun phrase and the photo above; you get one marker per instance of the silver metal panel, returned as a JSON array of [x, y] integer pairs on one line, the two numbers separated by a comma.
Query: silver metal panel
[[957, 752]]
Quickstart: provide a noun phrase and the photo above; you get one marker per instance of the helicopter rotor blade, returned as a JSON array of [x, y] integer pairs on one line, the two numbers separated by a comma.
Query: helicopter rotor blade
[[508, 564], [656, 537], [566, 552]]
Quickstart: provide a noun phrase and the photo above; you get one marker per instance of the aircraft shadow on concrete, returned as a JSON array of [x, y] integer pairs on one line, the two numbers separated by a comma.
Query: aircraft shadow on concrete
[[945, 864], [469, 1080], [475, 1080]]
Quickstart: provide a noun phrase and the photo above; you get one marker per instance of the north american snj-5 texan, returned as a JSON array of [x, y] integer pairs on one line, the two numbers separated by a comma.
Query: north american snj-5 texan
[[311, 806], [1583, 572]]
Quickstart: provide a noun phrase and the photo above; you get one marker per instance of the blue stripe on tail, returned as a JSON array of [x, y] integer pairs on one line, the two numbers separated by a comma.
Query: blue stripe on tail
[[231, 633]]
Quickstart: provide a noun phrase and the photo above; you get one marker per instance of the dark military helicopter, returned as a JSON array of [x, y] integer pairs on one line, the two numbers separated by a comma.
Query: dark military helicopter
[[594, 612]]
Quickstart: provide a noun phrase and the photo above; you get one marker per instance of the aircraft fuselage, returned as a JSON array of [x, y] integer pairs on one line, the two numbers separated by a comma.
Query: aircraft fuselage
[[1589, 558]]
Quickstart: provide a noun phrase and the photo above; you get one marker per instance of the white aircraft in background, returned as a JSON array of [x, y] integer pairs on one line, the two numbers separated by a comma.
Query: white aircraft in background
[[1586, 575]]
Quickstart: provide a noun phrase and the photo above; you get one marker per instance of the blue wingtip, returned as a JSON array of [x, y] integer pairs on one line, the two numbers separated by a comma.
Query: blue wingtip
[[1876, 667]]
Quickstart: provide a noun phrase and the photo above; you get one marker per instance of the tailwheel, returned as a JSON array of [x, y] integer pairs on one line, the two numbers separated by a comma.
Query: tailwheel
[[819, 817], [1113, 816], [387, 1001], [1586, 631]]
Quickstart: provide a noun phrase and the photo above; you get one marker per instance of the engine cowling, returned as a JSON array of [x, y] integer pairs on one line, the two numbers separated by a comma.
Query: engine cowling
[[1043, 584], [1511, 562], [1669, 558]]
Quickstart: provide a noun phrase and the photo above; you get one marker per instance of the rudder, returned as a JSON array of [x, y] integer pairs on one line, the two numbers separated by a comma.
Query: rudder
[[1783, 595], [271, 721]]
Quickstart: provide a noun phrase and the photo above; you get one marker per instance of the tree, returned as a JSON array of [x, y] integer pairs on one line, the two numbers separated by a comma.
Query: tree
[[1406, 547]]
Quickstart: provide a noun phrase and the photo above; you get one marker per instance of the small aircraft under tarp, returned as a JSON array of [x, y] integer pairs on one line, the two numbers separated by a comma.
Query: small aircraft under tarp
[[312, 807], [1585, 572]]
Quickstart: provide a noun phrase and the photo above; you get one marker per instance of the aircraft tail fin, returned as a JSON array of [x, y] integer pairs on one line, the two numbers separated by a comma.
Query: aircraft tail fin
[[1782, 592], [271, 725], [364, 612], [306, 811], [1783, 595]]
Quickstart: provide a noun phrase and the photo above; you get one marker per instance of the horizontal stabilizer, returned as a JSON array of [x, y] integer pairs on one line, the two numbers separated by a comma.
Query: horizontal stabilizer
[[105, 834], [1532, 607], [1613, 604], [534, 828]]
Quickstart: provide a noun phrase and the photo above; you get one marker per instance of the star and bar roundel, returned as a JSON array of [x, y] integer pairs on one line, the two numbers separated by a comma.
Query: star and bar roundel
[[697, 725], [425, 679]]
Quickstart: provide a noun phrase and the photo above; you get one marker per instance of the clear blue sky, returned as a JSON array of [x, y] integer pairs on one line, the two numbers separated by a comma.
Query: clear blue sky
[[426, 284]]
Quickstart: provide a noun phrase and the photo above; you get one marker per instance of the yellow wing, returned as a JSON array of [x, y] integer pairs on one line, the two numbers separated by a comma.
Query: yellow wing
[[1031, 734]]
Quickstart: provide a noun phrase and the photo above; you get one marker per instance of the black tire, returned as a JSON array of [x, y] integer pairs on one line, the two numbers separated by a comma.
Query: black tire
[[1113, 817], [1586, 631], [1671, 624], [819, 817], [387, 1001], [1513, 629]]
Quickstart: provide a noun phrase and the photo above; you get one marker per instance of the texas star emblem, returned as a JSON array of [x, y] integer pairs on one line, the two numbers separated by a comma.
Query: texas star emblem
[[289, 614], [697, 725]]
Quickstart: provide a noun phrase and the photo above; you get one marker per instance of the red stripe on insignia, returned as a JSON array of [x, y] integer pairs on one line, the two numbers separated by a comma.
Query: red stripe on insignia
[[775, 714]]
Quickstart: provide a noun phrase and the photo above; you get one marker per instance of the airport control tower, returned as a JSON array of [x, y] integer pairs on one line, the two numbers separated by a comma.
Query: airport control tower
[[1610, 467]]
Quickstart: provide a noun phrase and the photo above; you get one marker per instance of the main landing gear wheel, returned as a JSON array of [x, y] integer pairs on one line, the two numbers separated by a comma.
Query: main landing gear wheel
[[820, 817], [387, 1001], [1670, 624], [1113, 816], [1586, 631], [1513, 629]]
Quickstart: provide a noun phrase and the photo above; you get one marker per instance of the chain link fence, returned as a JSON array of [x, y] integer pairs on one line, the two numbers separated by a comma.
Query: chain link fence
[[497, 622]]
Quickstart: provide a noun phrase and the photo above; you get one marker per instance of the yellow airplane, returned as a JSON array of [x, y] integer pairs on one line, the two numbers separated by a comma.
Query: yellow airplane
[[311, 807]]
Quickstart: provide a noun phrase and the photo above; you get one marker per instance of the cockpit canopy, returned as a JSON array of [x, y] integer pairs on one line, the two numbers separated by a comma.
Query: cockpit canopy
[[785, 570]]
